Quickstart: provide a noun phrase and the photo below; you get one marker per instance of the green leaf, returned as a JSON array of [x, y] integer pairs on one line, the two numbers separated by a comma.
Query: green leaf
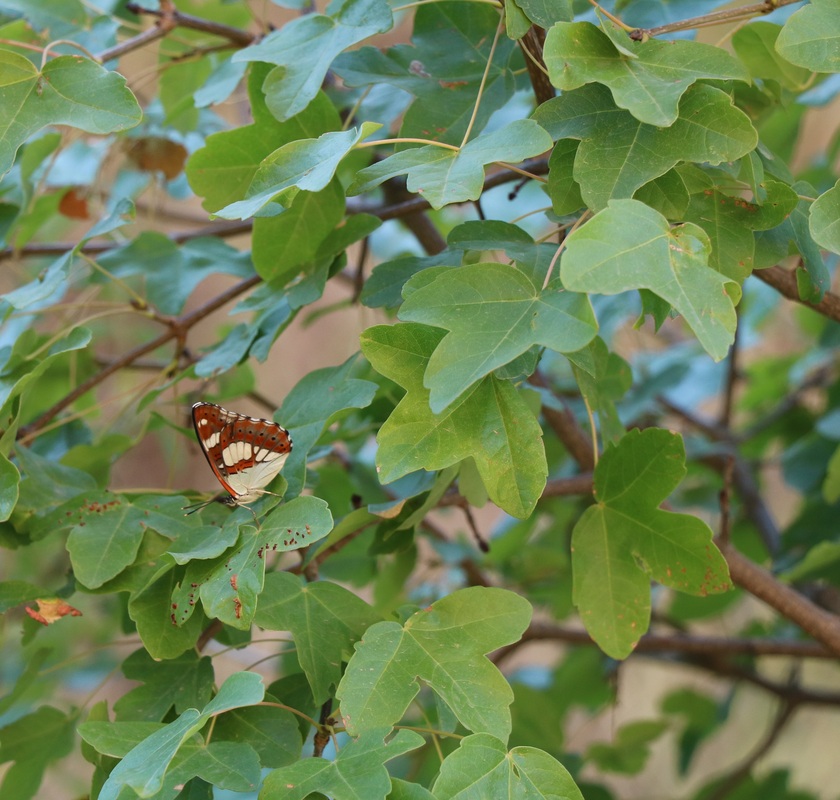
[[831, 484], [301, 165], [171, 270], [445, 68], [702, 717], [230, 588], [182, 682], [283, 243], [70, 90], [324, 619], [546, 12], [491, 423], [516, 23], [54, 280], [152, 612], [311, 404], [630, 246], [493, 313], [272, 732], [608, 383], [23, 368], [177, 85], [650, 83], [730, 221], [223, 169], [443, 175], [385, 284], [563, 189], [144, 767], [357, 771], [629, 753], [12, 591], [483, 767], [32, 742], [825, 219], [403, 790], [444, 646], [618, 153], [811, 37], [304, 48], [624, 540], [800, 225], [9, 481], [667, 194], [105, 537], [755, 45]]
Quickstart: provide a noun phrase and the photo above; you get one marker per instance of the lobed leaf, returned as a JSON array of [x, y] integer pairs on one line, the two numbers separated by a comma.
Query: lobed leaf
[[445, 647], [646, 78], [811, 37], [631, 246], [443, 175], [491, 423], [304, 48], [618, 153], [493, 313], [69, 90], [483, 767], [624, 540], [324, 619]]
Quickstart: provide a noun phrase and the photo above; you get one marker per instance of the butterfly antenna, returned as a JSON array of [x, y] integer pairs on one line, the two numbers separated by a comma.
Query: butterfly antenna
[[196, 507]]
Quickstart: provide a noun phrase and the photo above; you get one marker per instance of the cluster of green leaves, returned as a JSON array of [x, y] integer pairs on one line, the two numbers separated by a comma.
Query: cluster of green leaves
[[657, 182]]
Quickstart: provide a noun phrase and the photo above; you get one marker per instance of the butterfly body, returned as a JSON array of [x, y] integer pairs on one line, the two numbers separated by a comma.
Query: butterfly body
[[245, 453]]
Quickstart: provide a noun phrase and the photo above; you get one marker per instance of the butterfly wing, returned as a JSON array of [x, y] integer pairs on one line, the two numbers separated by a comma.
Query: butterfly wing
[[245, 453]]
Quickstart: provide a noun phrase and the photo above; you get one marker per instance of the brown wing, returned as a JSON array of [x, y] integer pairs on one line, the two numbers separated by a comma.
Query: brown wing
[[245, 453]]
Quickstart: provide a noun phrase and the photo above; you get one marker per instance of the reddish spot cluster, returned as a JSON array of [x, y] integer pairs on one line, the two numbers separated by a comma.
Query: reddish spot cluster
[[100, 507], [237, 607], [233, 582]]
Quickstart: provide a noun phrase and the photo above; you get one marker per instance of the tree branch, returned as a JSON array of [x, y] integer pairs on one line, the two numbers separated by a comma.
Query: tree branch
[[705, 646], [177, 329], [169, 18], [784, 282], [820, 624], [731, 782]]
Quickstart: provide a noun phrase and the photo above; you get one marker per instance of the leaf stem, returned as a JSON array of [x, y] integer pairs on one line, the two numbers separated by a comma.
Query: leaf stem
[[407, 140], [49, 47], [524, 173], [300, 714], [592, 429], [562, 246], [416, 3], [483, 83], [611, 17], [139, 300]]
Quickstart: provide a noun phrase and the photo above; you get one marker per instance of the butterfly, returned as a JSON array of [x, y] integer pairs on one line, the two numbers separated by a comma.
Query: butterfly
[[245, 453]]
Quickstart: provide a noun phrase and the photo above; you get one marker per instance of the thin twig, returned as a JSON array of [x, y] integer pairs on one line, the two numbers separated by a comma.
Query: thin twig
[[736, 776], [714, 18], [165, 23], [706, 646]]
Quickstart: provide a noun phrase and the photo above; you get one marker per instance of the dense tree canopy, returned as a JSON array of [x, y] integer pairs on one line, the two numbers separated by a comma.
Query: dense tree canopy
[[541, 293]]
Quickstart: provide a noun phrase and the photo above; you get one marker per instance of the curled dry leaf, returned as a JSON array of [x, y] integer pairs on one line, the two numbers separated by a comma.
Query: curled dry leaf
[[50, 611]]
